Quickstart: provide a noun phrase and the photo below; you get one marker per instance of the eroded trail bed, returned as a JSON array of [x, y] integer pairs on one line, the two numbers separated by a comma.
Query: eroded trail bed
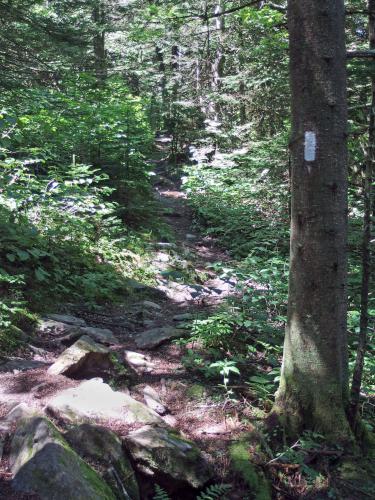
[[137, 358]]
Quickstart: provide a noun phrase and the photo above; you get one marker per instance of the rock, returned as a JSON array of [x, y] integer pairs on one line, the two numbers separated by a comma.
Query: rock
[[66, 318], [102, 335], [136, 287], [136, 360], [152, 305], [20, 365], [183, 317], [153, 400], [180, 293], [148, 323], [162, 257], [94, 401], [52, 327], [101, 445], [164, 244], [150, 339], [42, 463], [84, 358], [164, 452], [17, 413], [191, 237]]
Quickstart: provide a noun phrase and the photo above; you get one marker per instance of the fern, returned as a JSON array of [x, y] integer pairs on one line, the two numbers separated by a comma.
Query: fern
[[215, 492], [160, 494]]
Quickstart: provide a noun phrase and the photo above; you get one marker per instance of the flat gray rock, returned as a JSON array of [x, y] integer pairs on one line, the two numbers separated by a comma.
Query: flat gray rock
[[165, 452], [102, 335], [82, 359], [183, 317], [20, 365], [151, 305], [66, 318], [150, 339], [42, 463], [94, 401]]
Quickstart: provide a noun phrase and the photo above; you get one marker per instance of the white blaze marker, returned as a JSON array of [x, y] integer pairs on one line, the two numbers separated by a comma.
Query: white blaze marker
[[310, 146]]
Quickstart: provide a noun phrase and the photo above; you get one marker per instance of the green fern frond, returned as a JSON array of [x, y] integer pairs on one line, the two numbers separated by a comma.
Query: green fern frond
[[215, 492], [160, 494]]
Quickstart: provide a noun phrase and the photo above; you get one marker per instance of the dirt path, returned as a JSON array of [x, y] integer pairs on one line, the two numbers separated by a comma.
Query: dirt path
[[186, 285]]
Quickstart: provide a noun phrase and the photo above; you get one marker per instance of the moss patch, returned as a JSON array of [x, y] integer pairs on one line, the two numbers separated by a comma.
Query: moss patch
[[240, 457], [196, 391]]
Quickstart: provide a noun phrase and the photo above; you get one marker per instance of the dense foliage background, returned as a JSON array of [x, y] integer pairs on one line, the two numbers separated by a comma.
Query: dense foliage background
[[86, 85]]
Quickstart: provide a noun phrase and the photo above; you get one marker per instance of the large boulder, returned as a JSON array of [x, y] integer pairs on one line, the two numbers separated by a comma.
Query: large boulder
[[42, 463], [149, 339], [102, 446], [164, 454], [84, 358], [94, 401]]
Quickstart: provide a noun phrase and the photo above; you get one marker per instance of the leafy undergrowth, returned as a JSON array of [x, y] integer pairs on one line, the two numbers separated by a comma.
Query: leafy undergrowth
[[75, 200], [239, 344]]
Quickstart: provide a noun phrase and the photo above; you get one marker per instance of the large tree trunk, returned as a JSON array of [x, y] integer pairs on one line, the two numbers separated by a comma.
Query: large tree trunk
[[366, 241], [313, 391]]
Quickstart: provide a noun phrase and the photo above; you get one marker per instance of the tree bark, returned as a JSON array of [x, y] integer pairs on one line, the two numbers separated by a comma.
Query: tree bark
[[313, 392], [100, 57], [366, 241]]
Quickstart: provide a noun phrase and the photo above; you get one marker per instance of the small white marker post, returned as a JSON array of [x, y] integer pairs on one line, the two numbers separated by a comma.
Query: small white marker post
[[310, 146]]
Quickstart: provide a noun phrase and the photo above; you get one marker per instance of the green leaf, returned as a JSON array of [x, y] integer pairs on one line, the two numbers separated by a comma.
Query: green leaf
[[11, 257]]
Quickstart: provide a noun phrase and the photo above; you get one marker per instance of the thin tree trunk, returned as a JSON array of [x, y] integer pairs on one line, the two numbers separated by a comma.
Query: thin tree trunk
[[313, 392], [366, 242], [100, 56]]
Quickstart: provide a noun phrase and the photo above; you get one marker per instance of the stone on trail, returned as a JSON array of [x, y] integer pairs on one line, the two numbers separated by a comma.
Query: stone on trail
[[152, 305], [102, 335], [67, 318], [19, 365], [153, 400], [183, 317], [138, 361], [52, 327], [161, 451], [150, 339], [103, 446], [17, 412], [42, 463], [67, 333], [94, 401], [83, 359]]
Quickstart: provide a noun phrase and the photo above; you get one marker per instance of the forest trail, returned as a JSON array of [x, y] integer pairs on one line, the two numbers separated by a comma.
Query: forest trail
[[144, 328]]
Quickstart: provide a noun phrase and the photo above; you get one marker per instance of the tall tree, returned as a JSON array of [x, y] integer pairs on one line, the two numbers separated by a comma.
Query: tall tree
[[313, 391], [366, 238]]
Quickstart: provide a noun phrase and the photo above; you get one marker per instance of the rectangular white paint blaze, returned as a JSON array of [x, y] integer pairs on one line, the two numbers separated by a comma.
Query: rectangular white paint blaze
[[310, 146]]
